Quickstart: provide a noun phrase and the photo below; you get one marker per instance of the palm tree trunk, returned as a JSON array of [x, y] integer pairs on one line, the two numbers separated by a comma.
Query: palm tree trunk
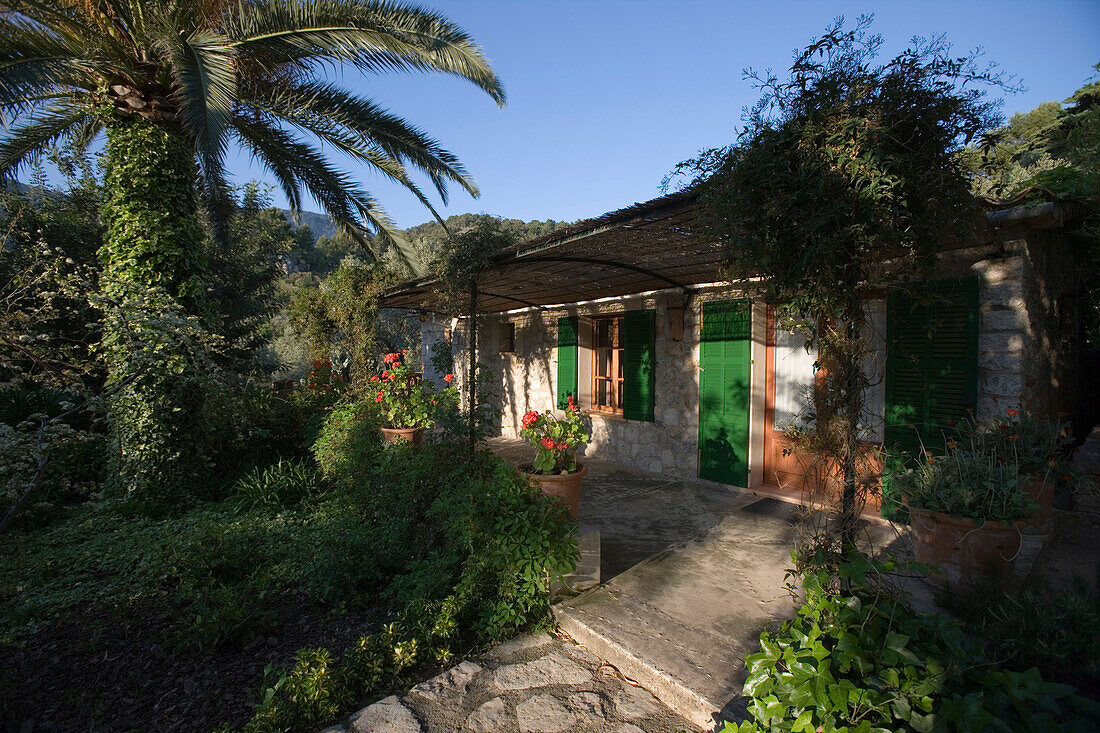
[[154, 278]]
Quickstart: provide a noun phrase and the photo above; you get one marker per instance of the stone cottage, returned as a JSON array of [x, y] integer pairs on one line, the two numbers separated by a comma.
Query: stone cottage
[[684, 375]]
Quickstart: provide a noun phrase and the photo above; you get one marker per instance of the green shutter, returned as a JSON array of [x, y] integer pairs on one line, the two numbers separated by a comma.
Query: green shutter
[[567, 359], [931, 364], [639, 360], [724, 390]]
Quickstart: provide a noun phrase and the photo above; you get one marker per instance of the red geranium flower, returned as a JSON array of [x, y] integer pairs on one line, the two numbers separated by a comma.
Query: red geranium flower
[[374, 377], [1012, 413], [547, 443], [562, 445], [316, 365], [385, 375], [392, 358], [448, 378], [380, 397], [530, 418]]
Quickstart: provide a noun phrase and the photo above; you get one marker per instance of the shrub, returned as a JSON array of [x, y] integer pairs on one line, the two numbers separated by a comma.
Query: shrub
[[859, 658], [281, 485], [471, 547], [349, 441], [1055, 630]]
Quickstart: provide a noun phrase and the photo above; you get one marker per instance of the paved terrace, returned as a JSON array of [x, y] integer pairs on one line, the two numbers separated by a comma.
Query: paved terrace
[[692, 573]]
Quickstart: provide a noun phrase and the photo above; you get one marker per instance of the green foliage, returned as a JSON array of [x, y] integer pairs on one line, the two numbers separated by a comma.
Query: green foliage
[[1052, 629], [464, 258], [471, 547], [339, 317], [429, 240], [153, 237], [967, 482], [243, 279], [1036, 447], [281, 485], [859, 658], [349, 441]]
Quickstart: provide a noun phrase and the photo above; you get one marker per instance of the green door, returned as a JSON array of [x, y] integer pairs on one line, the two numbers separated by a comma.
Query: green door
[[724, 391]]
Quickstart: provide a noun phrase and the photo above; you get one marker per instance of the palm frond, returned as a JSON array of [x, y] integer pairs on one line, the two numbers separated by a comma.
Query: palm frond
[[372, 35], [207, 93], [374, 125], [36, 135], [296, 164]]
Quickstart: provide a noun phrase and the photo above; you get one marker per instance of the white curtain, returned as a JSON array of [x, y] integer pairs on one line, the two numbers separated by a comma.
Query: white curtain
[[794, 379]]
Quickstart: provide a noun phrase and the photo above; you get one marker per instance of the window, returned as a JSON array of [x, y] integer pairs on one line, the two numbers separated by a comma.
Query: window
[[507, 338], [607, 365]]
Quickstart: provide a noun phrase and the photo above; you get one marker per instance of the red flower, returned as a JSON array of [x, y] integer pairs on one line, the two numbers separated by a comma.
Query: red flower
[[380, 397], [547, 443], [1012, 413], [562, 445], [316, 365], [530, 418], [404, 351], [386, 375], [374, 377], [448, 378], [392, 358]]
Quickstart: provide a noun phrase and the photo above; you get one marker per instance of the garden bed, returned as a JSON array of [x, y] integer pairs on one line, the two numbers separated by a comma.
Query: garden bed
[[89, 672]]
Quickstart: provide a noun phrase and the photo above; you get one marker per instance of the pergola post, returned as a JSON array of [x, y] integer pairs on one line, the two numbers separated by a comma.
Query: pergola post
[[471, 392]]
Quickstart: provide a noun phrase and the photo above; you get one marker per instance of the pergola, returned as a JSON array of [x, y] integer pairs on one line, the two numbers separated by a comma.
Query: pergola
[[644, 247]]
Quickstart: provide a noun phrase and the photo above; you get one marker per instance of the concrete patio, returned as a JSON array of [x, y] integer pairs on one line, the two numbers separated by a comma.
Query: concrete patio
[[692, 573]]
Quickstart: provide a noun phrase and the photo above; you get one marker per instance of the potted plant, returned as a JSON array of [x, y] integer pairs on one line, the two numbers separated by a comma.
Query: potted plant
[[556, 440], [1037, 448], [965, 512], [407, 405]]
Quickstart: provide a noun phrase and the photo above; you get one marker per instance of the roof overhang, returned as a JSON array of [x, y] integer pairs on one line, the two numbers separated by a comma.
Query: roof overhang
[[642, 248]]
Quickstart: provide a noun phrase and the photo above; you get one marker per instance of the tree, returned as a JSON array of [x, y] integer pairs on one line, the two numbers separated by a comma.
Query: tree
[[845, 176], [173, 83]]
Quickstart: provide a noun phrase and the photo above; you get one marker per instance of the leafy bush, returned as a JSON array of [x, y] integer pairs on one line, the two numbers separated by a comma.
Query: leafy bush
[[279, 486], [471, 547], [1055, 630], [349, 441], [858, 658]]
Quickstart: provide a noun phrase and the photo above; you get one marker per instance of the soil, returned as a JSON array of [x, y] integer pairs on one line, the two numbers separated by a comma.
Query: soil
[[90, 673]]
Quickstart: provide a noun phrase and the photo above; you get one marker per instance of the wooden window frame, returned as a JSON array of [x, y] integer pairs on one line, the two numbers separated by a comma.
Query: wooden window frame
[[616, 391]]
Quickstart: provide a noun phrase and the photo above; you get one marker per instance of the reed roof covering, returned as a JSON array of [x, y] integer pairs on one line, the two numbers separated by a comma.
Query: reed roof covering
[[640, 248]]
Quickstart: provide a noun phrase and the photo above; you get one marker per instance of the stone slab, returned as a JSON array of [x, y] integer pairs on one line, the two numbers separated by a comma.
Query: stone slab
[[543, 714], [388, 715], [553, 669], [490, 717], [449, 684]]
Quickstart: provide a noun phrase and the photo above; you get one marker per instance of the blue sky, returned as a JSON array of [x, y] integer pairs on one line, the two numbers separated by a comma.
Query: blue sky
[[606, 97]]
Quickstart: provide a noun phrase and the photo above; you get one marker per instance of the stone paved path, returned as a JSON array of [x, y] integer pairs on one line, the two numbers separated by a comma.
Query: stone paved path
[[532, 684]]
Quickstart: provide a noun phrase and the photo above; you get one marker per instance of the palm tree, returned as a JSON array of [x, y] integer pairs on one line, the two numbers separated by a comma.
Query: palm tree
[[174, 83]]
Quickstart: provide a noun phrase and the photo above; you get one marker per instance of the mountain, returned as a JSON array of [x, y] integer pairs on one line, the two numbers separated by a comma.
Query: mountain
[[320, 224]]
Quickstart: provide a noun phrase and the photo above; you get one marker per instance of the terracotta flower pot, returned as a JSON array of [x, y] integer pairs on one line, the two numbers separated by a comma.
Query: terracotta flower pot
[[409, 435], [964, 550], [1040, 489], [566, 487]]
